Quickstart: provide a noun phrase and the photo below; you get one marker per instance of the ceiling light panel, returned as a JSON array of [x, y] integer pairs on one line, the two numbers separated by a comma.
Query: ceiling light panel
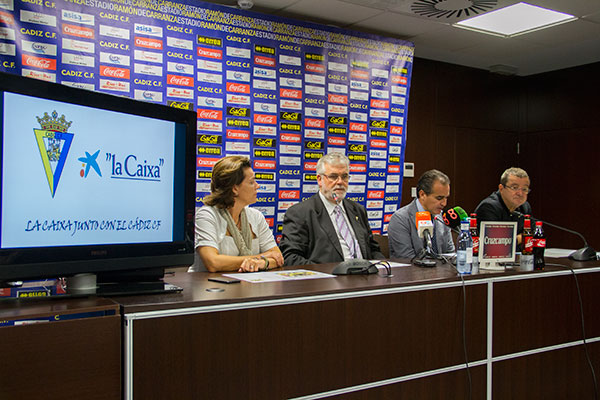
[[515, 20]]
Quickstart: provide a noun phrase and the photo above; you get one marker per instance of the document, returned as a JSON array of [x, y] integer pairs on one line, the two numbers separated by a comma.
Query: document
[[278, 276]]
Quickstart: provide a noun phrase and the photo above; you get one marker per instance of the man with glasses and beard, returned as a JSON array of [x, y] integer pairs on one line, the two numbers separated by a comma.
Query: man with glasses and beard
[[511, 195], [328, 227]]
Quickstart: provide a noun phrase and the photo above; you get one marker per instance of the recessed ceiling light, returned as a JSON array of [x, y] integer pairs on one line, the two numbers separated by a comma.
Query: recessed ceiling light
[[515, 20]]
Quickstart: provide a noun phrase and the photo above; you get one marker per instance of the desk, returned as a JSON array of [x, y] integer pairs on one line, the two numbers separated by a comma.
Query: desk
[[355, 337], [72, 357]]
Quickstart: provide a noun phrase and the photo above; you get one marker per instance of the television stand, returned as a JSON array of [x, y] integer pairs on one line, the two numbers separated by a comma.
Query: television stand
[[145, 281]]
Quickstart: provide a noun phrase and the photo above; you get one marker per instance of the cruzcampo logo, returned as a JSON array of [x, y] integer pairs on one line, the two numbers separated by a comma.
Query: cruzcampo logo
[[53, 143]]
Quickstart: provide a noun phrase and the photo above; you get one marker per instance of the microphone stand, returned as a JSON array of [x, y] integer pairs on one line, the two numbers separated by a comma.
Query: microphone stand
[[586, 253]]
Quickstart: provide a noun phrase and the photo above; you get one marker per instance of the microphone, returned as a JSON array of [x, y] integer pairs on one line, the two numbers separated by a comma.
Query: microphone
[[586, 253], [335, 197], [425, 229], [453, 216], [452, 228]]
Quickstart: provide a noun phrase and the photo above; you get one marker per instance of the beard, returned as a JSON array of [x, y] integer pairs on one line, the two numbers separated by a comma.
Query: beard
[[339, 190]]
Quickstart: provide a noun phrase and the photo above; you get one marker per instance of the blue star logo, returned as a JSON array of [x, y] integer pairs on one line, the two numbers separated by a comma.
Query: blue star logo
[[90, 161]]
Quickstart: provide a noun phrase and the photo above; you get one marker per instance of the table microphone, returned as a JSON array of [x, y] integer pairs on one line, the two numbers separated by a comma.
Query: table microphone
[[586, 253], [453, 216], [425, 229], [452, 228], [335, 197]]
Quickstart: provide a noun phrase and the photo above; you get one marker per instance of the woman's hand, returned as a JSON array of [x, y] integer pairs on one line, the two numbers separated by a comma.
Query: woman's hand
[[253, 264], [274, 254]]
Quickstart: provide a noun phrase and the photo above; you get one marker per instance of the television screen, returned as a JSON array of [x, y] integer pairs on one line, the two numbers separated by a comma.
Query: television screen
[[91, 182]]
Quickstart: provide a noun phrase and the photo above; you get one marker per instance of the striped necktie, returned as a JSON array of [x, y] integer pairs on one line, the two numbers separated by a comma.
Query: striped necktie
[[344, 231]]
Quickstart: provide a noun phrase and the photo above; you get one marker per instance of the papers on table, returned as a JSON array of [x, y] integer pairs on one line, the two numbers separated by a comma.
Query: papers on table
[[293, 275], [558, 253], [278, 276]]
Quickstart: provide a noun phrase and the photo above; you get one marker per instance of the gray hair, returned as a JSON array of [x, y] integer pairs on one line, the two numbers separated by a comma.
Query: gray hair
[[514, 171], [428, 178], [335, 159]]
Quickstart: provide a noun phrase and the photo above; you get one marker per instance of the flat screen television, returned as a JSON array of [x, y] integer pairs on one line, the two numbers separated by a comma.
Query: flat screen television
[[92, 183]]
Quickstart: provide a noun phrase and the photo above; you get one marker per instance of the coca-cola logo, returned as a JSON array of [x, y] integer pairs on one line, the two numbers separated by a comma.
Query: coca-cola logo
[[265, 119], [397, 130], [380, 103], [39, 62], [337, 98], [387, 217], [294, 94], [355, 126], [180, 80], [393, 168], [375, 194], [314, 123], [7, 18], [238, 87], [210, 114], [289, 194], [114, 72]]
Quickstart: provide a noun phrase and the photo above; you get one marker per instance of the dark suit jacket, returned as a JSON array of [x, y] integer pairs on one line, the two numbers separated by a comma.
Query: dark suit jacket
[[309, 236]]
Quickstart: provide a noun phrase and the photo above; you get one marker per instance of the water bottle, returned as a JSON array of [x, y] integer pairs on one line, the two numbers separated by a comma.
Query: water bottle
[[464, 251], [475, 237]]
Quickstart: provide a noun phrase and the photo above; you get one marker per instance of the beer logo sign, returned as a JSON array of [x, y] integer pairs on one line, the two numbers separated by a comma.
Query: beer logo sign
[[53, 144]]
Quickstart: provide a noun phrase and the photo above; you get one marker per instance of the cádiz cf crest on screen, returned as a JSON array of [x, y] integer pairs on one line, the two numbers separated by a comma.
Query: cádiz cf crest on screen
[[53, 143]]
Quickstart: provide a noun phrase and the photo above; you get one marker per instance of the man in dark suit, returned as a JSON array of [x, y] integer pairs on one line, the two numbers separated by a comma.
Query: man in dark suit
[[511, 196], [327, 227]]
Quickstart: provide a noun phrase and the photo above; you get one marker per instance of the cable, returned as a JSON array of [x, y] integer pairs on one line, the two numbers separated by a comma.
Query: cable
[[587, 354], [464, 330]]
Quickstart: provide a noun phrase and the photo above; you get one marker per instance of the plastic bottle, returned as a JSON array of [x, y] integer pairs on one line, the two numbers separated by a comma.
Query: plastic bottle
[[464, 251], [527, 243], [539, 245], [475, 237]]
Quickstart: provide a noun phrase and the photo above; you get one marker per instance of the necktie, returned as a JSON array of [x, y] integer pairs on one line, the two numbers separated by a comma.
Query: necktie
[[344, 230], [433, 241]]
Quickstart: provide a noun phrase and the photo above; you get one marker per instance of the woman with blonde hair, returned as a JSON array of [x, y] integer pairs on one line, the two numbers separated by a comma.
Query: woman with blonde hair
[[230, 236]]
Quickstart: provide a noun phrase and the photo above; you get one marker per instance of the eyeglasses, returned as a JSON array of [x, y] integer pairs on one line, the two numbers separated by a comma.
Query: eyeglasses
[[525, 190], [335, 177]]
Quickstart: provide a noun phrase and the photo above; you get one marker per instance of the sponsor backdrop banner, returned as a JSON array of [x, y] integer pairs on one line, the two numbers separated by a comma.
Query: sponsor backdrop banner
[[281, 91]]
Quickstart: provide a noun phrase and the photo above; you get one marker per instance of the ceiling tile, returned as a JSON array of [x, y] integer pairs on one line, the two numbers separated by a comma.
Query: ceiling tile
[[338, 12], [401, 25]]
